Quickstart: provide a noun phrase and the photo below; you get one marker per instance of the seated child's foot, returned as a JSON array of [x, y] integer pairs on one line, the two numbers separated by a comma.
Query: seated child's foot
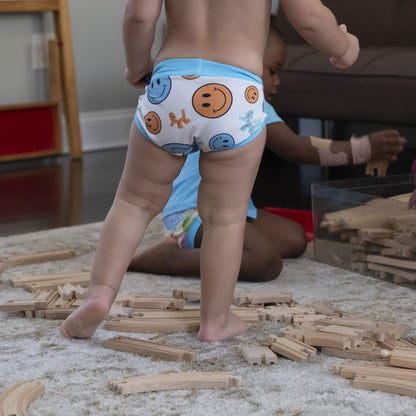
[[213, 331], [83, 322], [151, 259]]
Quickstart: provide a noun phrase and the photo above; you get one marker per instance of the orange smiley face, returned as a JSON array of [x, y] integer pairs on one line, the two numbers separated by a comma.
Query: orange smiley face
[[212, 100], [153, 122], [190, 76], [252, 94]]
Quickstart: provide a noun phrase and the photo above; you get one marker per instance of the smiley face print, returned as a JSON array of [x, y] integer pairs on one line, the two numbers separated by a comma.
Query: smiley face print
[[212, 100], [251, 94], [158, 89], [221, 141], [153, 122]]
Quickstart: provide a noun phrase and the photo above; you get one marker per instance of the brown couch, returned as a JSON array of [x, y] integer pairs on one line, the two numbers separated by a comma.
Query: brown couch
[[380, 87]]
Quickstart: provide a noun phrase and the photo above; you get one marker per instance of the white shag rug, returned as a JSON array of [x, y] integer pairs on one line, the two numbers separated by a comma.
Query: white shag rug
[[76, 372]]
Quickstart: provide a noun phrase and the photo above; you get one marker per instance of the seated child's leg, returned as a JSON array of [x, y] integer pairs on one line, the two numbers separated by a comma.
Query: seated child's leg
[[166, 257], [143, 191], [288, 237], [224, 192]]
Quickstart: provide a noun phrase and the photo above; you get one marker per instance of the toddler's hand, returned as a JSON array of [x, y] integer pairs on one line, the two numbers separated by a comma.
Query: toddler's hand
[[386, 144], [137, 80], [351, 54]]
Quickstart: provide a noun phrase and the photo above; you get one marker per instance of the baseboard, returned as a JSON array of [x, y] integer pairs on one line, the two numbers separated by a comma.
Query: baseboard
[[102, 129]]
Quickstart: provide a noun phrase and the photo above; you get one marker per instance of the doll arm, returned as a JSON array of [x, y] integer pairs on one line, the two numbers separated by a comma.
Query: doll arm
[[139, 23]]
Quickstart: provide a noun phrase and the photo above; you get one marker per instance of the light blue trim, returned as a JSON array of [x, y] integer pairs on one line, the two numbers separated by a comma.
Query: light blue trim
[[202, 67], [193, 229]]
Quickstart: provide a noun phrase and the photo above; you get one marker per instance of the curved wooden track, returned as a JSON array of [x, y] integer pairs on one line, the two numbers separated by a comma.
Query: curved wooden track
[[15, 400]]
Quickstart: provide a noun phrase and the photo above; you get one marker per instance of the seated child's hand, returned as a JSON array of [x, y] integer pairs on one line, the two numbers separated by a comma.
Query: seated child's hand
[[386, 144], [351, 54]]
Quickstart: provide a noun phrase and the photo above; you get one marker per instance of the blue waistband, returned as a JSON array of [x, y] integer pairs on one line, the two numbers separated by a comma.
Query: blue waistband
[[202, 67]]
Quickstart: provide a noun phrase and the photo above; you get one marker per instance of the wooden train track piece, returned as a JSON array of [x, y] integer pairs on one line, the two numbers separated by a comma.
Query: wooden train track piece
[[27, 280], [351, 370], [39, 257], [385, 384], [175, 381], [23, 305], [375, 233], [187, 294], [259, 355], [44, 304], [260, 298], [150, 348], [118, 311], [406, 274], [354, 333], [405, 357], [388, 261], [299, 320], [169, 321], [32, 283], [137, 302], [379, 166], [319, 339], [16, 399], [325, 308], [247, 314], [351, 322], [291, 348], [284, 313], [397, 344], [361, 352], [152, 326]]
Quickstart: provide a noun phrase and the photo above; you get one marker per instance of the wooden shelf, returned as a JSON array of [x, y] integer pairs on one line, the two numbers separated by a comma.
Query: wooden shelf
[[28, 6], [62, 75]]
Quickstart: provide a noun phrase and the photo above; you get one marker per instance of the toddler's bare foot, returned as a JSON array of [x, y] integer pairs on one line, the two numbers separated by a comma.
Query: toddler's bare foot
[[211, 331], [153, 258], [83, 322]]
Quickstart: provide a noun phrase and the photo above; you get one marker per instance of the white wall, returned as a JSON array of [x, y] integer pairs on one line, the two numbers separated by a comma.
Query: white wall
[[103, 94]]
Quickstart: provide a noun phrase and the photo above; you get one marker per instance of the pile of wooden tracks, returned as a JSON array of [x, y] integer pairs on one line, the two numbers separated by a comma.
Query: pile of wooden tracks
[[382, 234]]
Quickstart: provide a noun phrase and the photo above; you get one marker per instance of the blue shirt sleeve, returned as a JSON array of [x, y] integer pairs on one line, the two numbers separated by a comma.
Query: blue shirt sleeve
[[272, 116]]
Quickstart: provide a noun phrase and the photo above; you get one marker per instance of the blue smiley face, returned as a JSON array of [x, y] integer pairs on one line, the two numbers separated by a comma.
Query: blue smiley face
[[221, 141], [180, 148], [158, 89]]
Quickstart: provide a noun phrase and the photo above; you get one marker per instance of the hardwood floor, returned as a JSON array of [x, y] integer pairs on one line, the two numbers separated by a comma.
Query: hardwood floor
[[55, 192]]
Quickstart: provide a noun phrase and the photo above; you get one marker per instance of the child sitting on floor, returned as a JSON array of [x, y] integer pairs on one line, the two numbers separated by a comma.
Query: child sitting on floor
[[268, 238]]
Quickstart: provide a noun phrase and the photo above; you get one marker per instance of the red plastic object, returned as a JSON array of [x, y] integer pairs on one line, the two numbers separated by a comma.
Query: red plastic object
[[302, 217], [26, 130]]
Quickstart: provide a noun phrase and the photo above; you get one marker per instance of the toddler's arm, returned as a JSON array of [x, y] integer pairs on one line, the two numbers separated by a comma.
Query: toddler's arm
[[140, 18], [380, 145], [318, 26]]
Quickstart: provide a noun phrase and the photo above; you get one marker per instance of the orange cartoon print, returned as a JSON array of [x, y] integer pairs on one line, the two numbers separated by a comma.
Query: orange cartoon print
[[212, 100], [252, 94], [153, 122], [190, 76], [179, 122]]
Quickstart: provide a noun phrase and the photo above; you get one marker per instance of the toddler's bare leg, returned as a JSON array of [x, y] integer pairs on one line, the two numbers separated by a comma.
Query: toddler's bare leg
[[224, 192], [144, 189]]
